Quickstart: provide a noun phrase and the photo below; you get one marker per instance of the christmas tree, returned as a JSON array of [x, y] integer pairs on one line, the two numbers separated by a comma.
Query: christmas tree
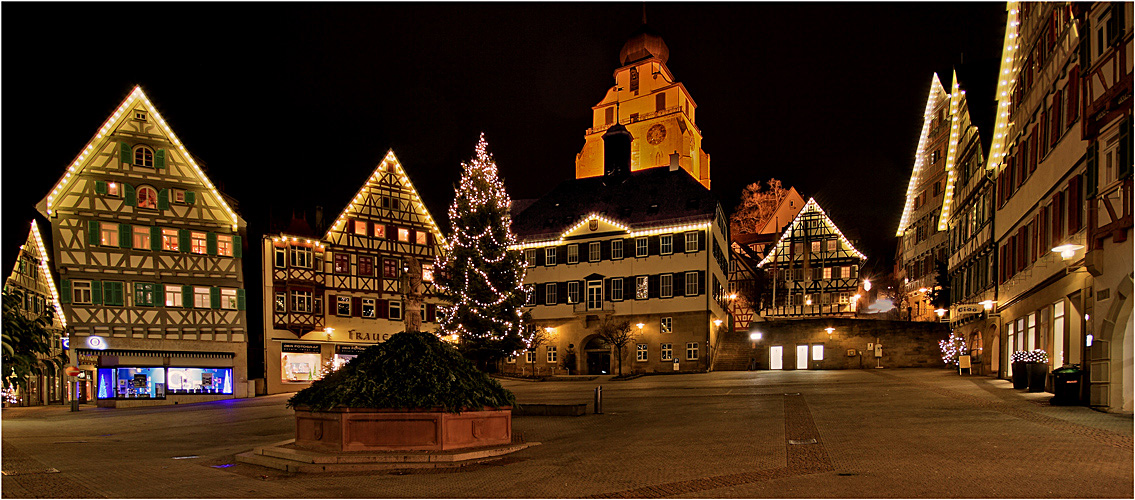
[[480, 276]]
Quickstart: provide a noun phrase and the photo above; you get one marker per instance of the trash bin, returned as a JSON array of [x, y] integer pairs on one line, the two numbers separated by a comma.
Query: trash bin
[[1066, 385]]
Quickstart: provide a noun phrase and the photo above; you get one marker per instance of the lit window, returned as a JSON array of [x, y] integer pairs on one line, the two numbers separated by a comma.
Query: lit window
[[108, 232], [201, 297], [395, 309], [666, 282], [550, 294], [691, 241], [831, 245], [81, 292], [573, 291], [343, 306], [572, 254], [818, 352], [551, 354], [667, 351], [827, 273], [113, 189], [342, 263], [640, 288], [641, 353], [640, 247], [143, 157], [197, 242], [368, 308], [141, 238], [530, 257], [815, 247], [616, 289], [225, 245], [301, 301], [530, 357], [593, 252], [422, 237], [666, 325], [178, 195], [403, 234], [692, 284], [616, 249], [361, 227], [301, 256], [173, 296], [666, 244], [144, 294], [228, 298], [691, 351], [281, 302], [550, 256], [428, 272]]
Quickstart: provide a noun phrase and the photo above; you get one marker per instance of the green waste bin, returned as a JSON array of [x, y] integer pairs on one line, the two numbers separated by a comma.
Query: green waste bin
[[1066, 382]]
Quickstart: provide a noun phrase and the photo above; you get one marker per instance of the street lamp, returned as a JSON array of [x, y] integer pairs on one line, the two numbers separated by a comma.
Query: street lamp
[[866, 285], [640, 325], [829, 330], [940, 312], [987, 304], [1067, 251], [717, 323]]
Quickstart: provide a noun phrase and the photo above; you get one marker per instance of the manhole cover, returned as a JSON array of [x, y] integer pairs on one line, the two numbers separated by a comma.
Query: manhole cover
[[801, 441]]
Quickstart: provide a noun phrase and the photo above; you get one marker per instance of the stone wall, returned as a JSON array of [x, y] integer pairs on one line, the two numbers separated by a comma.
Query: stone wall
[[905, 344]]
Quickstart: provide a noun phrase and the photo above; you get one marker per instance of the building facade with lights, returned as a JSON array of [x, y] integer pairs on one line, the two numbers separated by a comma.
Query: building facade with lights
[[967, 214], [653, 106], [327, 298], [921, 232], [1106, 70], [812, 269], [149, 258], [32, 283], [649, 247]]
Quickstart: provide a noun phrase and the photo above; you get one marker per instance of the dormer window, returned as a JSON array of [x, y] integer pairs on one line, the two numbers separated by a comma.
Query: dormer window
[[143, 157]]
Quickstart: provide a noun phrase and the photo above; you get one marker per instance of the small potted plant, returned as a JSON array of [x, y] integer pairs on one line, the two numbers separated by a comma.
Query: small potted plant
[[1019, 360], [1036, 365]]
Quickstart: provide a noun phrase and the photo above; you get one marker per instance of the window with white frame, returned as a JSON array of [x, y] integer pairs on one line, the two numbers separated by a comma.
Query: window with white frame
[[173, 296], [197, 242], [301, 301], [573, 254], [108, 234], [147, 197], [640, 247], [178, 195], [817, 352], [281, 302], [530, 357], [368, 308], [228, 298], [616, 289], [551, 354], [81, 292], [278, 257], [530, 257], [667, 351], [692, 284], [666, 324], [640, 288], [395, 309], [225, 245], [422, 312], [691, 351], [113, 189], [641, 353], [691, 241], [301, 256], [550, 297], [666, 244], [666, 285], [550, 256], [616, 249], [343, 306], [593, 251], [141, 238], [530, 294], [201, 297], [143, 157], [170, 240], [573, 292]]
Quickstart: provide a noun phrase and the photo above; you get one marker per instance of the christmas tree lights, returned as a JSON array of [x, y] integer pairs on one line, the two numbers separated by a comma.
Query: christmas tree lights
[[952, 348], [481, 276]]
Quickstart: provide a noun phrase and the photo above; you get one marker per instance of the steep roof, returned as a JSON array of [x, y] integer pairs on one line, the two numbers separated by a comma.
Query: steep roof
[[644, 198], [811, 207], [35, 247], [936, 91]]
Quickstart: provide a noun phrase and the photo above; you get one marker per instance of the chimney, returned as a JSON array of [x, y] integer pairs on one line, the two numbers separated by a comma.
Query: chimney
[[617, 152], [674, 161]]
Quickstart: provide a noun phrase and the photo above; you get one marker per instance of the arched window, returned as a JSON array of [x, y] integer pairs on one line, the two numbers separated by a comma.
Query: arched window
[[147, 197], [143, 156]]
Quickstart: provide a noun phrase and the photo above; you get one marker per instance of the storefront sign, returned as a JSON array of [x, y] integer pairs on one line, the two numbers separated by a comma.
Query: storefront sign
[[96, 342], [350, 350], [66, 343], [289, 347], [372, 337], [969, 308]]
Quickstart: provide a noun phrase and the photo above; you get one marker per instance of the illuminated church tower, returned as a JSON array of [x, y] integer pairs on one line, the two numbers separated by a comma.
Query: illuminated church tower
[[656, 110]]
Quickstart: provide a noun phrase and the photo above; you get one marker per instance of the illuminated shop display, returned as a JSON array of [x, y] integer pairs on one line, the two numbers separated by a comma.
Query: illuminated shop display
[[200, 381], [300, 362], [158, 382]]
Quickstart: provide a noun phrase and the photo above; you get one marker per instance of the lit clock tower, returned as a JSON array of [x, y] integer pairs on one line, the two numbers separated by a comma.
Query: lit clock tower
[[656, 109]]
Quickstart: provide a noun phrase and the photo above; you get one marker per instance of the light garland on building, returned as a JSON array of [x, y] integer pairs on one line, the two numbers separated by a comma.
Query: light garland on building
[[956, 94], [138, 95], [812, 205], [1008, 71], [46, 269], [622, 227], [920, 154]]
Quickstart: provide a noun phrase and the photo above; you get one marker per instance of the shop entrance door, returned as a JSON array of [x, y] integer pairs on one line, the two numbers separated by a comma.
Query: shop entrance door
[[802, 357], [776, 357], [598, 363]]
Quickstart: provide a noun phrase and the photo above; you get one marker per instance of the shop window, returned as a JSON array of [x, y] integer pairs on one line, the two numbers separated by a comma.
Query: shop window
[[300, 366], [666, 244], [343, 305], [666, 324], [131, 383], [198, 242], [368, 308], [200, 381], [691, 351], [616, 249], [817, 352], [174, 296], [667, 351], [640, 352], [395, 310]]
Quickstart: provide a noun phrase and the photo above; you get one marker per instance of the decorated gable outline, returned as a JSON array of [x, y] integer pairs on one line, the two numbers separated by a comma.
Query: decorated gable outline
[[952, 146], [44, 270], [100, 138], [375, 177], [920, 154], [614, 226], [810, 206]]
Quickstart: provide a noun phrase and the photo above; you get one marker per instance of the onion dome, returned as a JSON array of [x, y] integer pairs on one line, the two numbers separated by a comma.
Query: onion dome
[[643, 44]]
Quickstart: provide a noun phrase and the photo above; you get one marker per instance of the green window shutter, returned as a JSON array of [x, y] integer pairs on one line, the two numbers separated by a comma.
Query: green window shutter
[[96, 292], [93, 232], [240, 300], [190, 197], [65, 291], [163, 199], [1124, 169], [211, 243], [125, 236], [186, 296], [155, 238], [131, 197], [100, 187], [126, 153], [111, 293], [183, 240], [215, 297], [1091, 176], [160, 294], [237, 252], [160, 158]]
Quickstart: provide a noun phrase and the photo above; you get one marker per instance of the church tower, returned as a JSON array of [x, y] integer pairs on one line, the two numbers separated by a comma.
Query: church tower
[[656, 110]]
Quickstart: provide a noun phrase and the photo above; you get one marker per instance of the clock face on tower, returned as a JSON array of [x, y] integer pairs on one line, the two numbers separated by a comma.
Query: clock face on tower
[[656, 134]]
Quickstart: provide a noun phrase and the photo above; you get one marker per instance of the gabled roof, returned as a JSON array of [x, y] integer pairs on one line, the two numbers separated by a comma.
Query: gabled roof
[[1005, 79], [39, 250], [360, 196], [920, 155], [811, 206], [102, 136], [644, 198], [785, 208], [952, 151]]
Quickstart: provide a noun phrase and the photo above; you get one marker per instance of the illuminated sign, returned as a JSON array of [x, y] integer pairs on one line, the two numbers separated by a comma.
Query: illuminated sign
[[95, 342]]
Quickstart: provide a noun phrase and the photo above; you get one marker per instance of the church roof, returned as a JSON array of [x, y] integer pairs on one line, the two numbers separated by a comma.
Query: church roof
[[643, 44]]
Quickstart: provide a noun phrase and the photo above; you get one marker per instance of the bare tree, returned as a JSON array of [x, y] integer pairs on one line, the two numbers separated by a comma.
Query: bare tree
[[534, 338], [617, 334], [758, 205]]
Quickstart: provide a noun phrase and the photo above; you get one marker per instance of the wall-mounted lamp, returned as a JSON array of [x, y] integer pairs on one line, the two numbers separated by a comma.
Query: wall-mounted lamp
[[866, 285], [717, 322], [940, 312], [755, 336], [1067, 251], [550, 330], [829, 330], [987, 304], [640, 325]]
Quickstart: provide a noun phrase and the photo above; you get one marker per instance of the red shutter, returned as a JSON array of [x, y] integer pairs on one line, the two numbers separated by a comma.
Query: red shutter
[[1055, 127], [333, 304], [1057, 217], [1022, 247], [431, 313], [1074, 204], [1003, 264], [356, 306], [1032, 154], [413, 236], [1073, 95], [391, 232], [1041, 130], [1034, 241], [382, 308]]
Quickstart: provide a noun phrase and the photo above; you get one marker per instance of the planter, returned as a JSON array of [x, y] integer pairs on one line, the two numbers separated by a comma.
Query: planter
[[1037, 372], [371, 429], [1020, 375]]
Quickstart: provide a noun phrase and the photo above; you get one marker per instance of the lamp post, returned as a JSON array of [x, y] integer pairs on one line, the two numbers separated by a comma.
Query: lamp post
[[754, 337]]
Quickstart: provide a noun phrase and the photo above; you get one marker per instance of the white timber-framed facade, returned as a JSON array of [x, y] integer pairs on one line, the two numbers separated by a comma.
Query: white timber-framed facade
[[151, 275]]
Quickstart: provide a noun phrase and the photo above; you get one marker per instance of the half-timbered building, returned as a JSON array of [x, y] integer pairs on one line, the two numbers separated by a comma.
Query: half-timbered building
[[327, 298], [149, 259], [812, 270], [32, 283]]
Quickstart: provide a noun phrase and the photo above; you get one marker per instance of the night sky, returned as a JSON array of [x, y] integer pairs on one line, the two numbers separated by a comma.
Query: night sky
[[289, 106]]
